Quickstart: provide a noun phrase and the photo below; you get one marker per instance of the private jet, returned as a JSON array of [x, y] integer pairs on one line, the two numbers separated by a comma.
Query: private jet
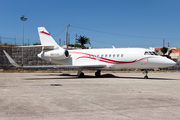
[[95, 59]]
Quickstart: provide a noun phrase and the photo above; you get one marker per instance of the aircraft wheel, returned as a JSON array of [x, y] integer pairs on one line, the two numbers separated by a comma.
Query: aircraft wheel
[[81, 75], [98, 74]]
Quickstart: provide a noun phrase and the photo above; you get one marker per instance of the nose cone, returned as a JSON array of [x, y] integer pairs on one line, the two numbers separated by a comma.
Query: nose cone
[[166, 62], [160, 62]]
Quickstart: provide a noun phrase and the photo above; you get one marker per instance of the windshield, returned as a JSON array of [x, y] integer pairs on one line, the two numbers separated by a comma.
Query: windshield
[[150, 53]]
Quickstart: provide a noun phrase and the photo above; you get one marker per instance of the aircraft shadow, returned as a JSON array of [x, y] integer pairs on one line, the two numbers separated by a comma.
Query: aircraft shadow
[[66, 76]]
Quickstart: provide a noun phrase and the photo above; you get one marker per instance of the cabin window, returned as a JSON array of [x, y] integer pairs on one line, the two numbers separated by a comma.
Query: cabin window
[[90, 55], [109, 55], [117, 55], [97, 55], [102, 55], [122, 55], [93, 56], [106, 55], [114, 55]]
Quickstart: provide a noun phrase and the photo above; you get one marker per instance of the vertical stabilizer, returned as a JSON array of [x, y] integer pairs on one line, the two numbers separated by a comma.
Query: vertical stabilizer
[[46, 38]]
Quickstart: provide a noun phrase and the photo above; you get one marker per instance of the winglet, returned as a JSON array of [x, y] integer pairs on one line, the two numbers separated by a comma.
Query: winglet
[[11, 60]]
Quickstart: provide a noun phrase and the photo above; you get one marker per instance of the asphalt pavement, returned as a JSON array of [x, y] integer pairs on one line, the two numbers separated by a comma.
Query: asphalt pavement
[[117, 96]]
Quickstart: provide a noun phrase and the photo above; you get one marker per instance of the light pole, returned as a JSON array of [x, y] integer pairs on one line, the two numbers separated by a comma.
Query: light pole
[[23, 19], [67, 36]]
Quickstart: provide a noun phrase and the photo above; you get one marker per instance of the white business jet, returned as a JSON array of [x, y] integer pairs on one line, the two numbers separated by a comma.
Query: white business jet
[[95, 59]]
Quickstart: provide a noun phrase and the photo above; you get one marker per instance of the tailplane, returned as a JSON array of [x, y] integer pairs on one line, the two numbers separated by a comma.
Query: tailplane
[[46, 39]]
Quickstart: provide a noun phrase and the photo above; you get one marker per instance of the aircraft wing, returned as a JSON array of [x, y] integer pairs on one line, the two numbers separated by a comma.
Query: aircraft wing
[[52, 66], [10, 59], [66, 66]]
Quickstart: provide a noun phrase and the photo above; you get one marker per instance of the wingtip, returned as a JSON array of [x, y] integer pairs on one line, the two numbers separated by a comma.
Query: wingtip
[[10, 59]]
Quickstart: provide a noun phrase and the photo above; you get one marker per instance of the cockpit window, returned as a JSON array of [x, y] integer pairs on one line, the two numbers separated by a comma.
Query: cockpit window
[[146, 53], [155, 53], [150, 53]]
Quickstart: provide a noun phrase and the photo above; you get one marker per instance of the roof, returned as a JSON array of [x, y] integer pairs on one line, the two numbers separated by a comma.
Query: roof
[[175, 51], [157, 48]]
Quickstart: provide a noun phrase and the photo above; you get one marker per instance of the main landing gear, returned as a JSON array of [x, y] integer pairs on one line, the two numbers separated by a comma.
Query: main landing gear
[[81, 74], [98, 73], [146, 74]]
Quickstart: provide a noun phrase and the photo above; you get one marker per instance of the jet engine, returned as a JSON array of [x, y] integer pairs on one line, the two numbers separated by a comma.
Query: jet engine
[[56, 54]]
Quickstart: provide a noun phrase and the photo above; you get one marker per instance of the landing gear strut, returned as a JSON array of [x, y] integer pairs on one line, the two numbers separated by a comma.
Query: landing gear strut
[[146, 74], [80, 73], [98, 73]]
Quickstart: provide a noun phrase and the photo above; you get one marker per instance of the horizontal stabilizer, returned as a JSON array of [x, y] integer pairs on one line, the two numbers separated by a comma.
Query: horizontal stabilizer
[[38, 46], [46, 47]]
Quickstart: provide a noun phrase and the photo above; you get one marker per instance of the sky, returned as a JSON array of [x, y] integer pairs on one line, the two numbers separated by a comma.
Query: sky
[[107, 23]]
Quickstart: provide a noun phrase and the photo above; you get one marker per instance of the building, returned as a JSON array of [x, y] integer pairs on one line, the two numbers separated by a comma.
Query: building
[[175, 55]]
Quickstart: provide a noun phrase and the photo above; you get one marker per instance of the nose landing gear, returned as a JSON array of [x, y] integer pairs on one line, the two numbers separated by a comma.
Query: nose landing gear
[[146, 74]]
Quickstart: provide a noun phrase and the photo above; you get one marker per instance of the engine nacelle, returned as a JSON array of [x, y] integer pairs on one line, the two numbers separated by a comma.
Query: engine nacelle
[[56, 54]]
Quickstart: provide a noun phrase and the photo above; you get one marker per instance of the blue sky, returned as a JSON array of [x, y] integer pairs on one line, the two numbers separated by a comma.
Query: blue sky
[[122, 23]]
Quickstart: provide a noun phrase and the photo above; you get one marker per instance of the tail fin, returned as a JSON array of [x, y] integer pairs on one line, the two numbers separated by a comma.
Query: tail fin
[[46, 38]]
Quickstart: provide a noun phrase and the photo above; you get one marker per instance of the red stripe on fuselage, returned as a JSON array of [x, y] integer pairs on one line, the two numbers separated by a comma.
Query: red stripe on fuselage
[[106, 60], [146, 58]]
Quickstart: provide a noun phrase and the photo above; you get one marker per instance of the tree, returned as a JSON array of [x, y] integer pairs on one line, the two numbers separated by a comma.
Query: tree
[[169, 52], [79, 46], [37, 43], [164, 50], [168, 56], [83, 40]]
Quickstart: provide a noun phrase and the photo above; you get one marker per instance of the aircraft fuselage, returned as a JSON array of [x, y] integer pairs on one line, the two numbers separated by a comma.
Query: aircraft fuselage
[[118, 58]]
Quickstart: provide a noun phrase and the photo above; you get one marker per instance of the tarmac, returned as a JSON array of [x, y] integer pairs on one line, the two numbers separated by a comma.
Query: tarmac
[[117, 96]]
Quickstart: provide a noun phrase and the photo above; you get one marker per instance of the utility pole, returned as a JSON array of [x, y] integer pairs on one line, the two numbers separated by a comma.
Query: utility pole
[[163, 42], [23, 19], [59, 42], [15, 40], [75, 42], [67, 36]]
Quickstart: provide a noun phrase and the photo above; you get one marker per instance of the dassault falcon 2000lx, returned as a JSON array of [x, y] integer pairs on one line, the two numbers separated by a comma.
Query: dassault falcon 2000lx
[[95, 59]]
